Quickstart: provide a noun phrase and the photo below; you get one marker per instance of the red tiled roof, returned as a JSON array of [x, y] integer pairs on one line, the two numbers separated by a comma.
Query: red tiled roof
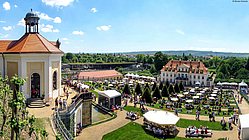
[[29, 43], [99, 74], [196, 66]]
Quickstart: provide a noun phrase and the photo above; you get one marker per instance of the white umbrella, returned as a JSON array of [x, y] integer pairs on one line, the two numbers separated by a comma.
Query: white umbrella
[[213, 95], [189, 101], [212, 98], [195, 97], [110, 85], [180, 95], [196, 87], [161, 117], [131, 82], [214, 92], [199, 94], [185, 93], [202, 91], [174, 99]]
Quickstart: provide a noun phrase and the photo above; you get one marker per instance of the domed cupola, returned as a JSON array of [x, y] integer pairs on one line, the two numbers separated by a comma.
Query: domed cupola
[[31, 22]]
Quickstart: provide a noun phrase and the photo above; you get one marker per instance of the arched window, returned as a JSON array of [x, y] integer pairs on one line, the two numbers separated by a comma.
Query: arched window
[[54, 80], [35, 85]]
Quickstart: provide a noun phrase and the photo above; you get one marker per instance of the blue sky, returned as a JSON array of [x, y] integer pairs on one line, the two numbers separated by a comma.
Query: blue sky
[[133, 25]]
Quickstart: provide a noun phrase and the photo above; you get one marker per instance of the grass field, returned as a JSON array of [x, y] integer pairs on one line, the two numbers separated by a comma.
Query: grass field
[[184, 123], [129, 108], [134, 131]]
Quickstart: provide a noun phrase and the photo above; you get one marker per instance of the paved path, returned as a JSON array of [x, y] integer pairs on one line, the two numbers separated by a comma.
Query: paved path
[[244, 107]]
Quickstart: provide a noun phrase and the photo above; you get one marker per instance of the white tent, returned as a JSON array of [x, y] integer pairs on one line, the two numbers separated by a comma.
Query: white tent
[[185, 93], [161, 117], [243, 85], [110, 93], [202, 91], [199, 94], [213, 95], [244, 123], [219, 83], [110, 85], [108, 98]]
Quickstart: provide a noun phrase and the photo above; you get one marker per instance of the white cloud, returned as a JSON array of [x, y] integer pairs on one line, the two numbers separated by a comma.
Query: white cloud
[[67, 42], [45, 17], [21, 22], [105, 27], [57, 20], [6, 6], [16, 6], [56, 30], [7, 28], [94, 10], [180, 32], [109, 25], [57, 3], [81, 40], [47, 28], [4, 36], [98, 28], [64, 39], [203, 40], [77, 32], [3, 21]]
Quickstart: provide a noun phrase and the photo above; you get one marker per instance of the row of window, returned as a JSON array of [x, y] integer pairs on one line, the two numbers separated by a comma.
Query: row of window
[[171, 80], [183, 76]]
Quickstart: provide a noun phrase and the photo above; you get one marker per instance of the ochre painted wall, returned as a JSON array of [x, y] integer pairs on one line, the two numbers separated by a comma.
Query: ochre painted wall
[[55, 67], [35, 67], [12, 69]]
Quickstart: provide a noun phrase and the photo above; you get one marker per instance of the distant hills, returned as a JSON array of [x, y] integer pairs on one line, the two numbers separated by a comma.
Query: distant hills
[[193, 52]]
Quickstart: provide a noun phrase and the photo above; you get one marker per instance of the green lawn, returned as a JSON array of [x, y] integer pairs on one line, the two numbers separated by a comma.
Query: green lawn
[[96, 93], [184, 123], [211, 69], [129, 108], [184, 111], [134, 131]]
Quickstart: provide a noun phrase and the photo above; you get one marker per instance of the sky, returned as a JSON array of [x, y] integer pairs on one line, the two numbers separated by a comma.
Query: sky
[[102, 26]]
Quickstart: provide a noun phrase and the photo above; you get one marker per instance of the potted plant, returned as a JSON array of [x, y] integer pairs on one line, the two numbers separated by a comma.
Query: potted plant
[[43, 95]]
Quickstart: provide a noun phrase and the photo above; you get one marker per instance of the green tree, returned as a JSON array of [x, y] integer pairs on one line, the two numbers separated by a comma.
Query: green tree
[[147, 86], [140, 58], [127, 89], [160, 60], [69, 56], [170, 89], [157, 93], [147, 95], [164, 92], [154, 86], [181, 86], [152, 69], [247, 64], [161, 86], [138, 89], [242, 74], [167, 84], [176, 88]]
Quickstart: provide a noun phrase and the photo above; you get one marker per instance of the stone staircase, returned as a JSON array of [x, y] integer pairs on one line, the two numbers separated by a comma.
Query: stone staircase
[[35, 103]]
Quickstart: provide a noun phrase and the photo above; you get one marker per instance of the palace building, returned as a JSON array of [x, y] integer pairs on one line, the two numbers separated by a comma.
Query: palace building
[[34, 57], [188, 72]]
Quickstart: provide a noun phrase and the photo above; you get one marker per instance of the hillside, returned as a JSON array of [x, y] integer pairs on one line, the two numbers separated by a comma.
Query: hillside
[[193, 52]]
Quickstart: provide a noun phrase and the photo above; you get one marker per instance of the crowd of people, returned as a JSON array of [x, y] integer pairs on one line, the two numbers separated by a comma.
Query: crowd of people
[[192, 130]]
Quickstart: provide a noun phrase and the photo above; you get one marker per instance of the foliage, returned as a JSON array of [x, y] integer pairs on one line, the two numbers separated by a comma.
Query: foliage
[[154, 86], [181, 86], [160, 60], [167, 84], [170, 89], [165, 92], [147, 86], [138, 89], [147, 95], [153, 69], [127, 89], [176, 88], [157, 93], [59, 136], [161, 85]]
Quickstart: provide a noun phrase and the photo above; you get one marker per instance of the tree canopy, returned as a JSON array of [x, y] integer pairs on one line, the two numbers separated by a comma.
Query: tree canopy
[[127, 89], [157, 93], [147, 95]]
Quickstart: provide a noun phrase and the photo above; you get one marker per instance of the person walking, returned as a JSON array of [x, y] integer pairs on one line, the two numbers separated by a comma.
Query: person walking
[[60, 102], [222, 119], [64, 103], [213, 116], [56, 103], [229, 123], [67, 93]]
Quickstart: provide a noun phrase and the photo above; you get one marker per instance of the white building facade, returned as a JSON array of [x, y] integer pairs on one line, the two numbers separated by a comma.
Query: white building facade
[[187, 72]]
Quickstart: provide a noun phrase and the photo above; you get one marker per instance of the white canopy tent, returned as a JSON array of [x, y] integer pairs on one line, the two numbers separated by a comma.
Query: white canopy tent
[[219, 83], [174, 99], [199, 94], [109, 97], [180, 95], [243, 85], [195, 97], [161, 117], [244, 123], [211, 98], [213, 95], [185, 93]]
